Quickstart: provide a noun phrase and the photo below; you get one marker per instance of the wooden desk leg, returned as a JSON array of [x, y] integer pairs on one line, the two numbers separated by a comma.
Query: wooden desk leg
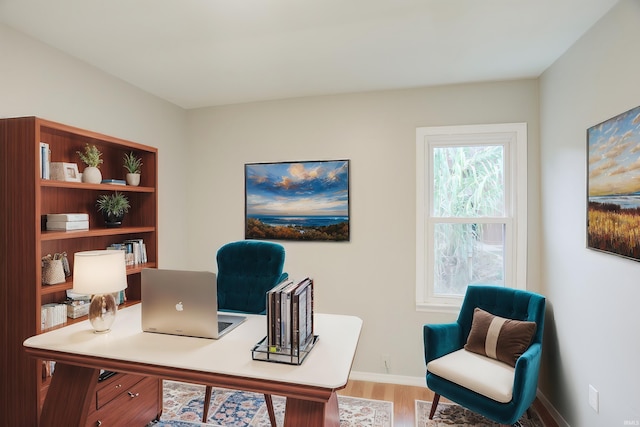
[[312, 414], [71, 392]]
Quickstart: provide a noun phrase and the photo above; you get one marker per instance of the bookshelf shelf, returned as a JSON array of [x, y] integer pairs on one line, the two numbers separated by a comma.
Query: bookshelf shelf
[[27, 198], [61, 287], [104, 187], [96, 232]]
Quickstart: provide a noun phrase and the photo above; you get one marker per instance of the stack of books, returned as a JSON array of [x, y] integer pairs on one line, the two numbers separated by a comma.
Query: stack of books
[[114, 181], [290, 316], [67, 221], [52, 315], [135, 251]]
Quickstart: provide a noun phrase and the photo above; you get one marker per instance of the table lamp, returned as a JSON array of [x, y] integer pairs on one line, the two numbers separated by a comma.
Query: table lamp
[[100, 273]]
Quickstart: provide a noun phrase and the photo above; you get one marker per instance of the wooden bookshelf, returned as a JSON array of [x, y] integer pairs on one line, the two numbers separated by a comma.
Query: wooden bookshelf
[[25, 200]]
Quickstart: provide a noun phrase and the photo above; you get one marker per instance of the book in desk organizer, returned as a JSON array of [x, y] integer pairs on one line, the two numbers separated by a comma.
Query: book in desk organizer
[[290, 316]]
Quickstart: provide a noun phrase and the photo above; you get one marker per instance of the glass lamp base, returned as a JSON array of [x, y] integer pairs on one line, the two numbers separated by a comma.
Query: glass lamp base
[[102, 312]]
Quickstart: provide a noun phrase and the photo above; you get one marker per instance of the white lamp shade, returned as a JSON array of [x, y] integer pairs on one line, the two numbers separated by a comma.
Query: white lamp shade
[[99, 272]]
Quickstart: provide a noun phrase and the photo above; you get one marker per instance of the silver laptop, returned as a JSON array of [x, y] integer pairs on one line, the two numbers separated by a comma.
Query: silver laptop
[[179, 302]]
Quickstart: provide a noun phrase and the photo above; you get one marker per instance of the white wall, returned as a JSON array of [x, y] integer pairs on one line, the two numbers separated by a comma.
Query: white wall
[[373, 275], [36, 80], [593, 331]]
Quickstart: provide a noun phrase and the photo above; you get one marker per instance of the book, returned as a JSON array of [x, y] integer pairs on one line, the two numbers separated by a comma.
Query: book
[[114, 181], [67, 225], [68, 217], [302, 315], [286, 315], [45, 154], [274, 315]]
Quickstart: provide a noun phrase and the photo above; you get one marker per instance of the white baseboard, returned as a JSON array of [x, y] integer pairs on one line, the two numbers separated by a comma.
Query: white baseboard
[[552, 411], [421, 382], [387, 378]]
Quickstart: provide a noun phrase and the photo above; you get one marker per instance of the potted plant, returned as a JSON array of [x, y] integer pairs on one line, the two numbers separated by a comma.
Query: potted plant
[[113, 207], [132, 165], [91, 157]]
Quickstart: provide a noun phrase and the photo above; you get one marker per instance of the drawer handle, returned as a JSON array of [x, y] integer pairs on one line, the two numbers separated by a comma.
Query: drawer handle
[[132, 395], [119, 385], [98, 423]]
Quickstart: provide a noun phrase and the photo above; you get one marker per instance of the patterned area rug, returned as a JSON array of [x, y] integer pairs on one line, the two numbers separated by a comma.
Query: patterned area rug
[[183, 405], [452, 415]]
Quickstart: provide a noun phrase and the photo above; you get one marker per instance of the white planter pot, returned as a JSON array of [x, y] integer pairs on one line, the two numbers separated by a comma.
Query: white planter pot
[[92, 175], [133, 179]]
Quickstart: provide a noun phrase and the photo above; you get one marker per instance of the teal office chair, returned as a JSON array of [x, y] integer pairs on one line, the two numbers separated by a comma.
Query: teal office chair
[[247, 269], [485, 363]]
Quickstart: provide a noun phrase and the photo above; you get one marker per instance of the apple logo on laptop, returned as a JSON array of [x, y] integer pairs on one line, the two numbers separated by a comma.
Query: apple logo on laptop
[[179, 306]]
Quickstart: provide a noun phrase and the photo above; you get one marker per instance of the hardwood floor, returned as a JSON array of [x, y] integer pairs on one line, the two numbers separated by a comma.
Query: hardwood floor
[[404, 396]]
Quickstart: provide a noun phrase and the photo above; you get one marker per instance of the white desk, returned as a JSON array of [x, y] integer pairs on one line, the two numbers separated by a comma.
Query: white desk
[[310, 388]]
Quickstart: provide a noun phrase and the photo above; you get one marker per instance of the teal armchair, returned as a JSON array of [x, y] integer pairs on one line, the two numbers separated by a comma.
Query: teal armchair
[[247, 269], [508, 391]]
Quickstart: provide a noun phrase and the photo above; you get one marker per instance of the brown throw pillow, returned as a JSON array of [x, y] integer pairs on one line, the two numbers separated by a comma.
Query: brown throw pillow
[[499, 338]]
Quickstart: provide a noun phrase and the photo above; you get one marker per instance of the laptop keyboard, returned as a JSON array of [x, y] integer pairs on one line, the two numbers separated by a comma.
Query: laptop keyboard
[[223, 325]]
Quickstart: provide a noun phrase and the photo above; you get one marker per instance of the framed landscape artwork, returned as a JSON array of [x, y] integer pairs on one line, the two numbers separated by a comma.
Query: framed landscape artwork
[[613, 185], [306, 201]]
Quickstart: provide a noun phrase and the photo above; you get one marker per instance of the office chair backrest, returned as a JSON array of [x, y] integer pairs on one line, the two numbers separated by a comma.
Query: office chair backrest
[[246, 271]]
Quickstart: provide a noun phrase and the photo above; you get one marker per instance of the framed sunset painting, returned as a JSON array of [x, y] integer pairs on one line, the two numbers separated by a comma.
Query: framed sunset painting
[[305, 200], [613, 185]]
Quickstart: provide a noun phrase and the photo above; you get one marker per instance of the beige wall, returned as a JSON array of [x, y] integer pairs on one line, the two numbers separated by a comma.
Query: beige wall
[[37, 80], [593, 333], [373, 275], [592, 326]]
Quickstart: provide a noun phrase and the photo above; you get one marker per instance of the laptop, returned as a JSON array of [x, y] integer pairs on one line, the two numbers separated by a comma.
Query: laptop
[[180, 302]]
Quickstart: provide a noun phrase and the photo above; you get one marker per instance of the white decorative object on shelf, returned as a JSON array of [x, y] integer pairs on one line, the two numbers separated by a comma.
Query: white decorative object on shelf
[[92, 175], [133, 179]]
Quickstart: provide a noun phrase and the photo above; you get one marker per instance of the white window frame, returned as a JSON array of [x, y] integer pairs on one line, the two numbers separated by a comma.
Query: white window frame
[[513, 136]]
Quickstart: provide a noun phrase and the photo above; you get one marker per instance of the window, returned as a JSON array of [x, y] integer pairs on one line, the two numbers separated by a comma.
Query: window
[[471, 211]]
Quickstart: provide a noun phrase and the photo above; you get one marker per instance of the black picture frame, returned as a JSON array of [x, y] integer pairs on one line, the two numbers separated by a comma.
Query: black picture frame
[[298, 200]]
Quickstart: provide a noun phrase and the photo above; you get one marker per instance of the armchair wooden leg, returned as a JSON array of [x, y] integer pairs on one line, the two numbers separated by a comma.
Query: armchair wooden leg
[[434, 405], [207, 403]]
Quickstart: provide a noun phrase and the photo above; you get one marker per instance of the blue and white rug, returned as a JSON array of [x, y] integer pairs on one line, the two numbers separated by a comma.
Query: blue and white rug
[[183, 405]]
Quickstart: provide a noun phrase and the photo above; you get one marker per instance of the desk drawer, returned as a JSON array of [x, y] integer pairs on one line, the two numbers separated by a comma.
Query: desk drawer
[[115, 386], [136, 405]]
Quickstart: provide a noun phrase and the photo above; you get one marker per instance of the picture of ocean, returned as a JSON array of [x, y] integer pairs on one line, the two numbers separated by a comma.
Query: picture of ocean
[[625, 201], [297, 200], [300, 221]]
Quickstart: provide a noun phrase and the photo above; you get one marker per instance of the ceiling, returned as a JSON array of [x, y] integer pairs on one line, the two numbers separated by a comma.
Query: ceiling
[[197, 53]]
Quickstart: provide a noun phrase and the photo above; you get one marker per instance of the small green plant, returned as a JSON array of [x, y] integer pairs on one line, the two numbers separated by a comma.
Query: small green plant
[[90, 156], [115, 204], [132, 163]]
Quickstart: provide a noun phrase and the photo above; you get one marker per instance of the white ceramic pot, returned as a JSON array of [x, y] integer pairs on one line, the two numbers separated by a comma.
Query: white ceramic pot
[[133, 179], [92, 175]]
